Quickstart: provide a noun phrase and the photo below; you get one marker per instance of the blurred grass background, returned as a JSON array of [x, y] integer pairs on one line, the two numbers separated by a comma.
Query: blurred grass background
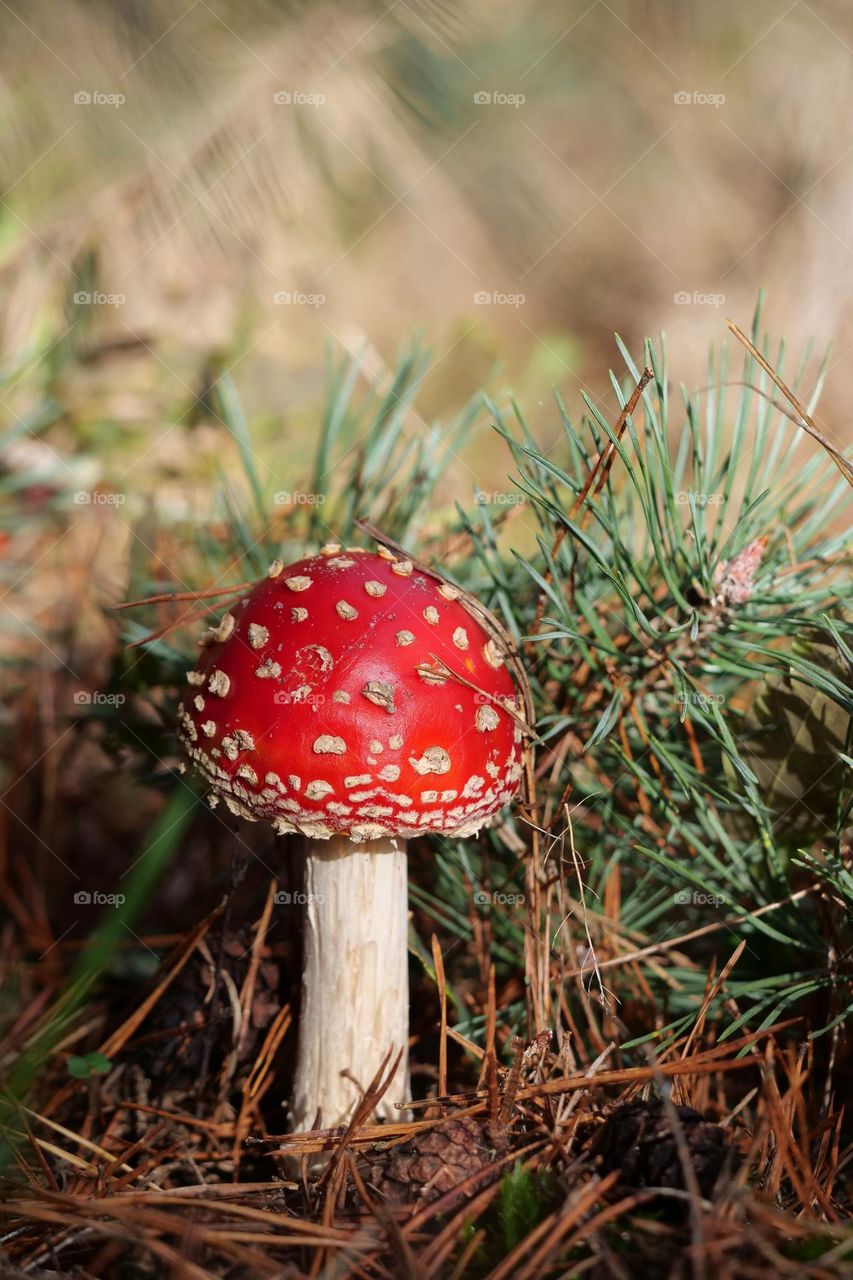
[[388, 190], [637, 167]]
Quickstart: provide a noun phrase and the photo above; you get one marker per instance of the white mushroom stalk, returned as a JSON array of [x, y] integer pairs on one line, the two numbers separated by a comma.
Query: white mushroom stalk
[[355, 984]]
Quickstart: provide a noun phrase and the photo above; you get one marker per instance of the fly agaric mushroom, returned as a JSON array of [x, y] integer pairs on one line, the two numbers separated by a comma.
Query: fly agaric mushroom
[[357, 700]]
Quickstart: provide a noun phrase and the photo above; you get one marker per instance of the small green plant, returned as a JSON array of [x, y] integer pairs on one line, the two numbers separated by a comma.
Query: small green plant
[[84, 1066], [525, 1198]]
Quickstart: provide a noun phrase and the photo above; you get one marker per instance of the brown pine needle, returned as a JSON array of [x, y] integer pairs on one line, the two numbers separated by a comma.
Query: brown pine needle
[[438, 961], [595, 482], [185, 620], [805, 421], [170, 597]]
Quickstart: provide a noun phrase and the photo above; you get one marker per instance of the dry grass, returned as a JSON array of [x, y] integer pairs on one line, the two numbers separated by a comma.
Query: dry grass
[[110, 1185]]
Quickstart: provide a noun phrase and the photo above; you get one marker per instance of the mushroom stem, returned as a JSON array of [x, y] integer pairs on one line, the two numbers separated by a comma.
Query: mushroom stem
[[355, 986]]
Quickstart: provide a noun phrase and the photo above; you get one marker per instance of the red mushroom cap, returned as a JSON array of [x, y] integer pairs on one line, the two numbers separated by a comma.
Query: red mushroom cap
[[325, 703]]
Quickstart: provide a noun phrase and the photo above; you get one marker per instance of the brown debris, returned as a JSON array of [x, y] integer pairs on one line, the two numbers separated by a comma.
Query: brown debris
[[437, 1161], [637, 1141]]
